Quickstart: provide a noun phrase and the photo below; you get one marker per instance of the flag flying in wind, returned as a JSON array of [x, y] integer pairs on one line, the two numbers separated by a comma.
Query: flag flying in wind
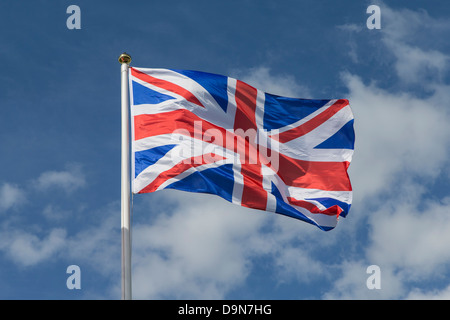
[[208, 133]]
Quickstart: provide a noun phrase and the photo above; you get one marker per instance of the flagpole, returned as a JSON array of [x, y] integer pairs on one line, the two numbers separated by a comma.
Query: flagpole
[[125, 60]]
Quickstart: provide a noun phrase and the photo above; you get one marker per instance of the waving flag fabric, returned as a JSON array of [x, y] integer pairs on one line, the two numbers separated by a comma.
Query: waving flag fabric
[[208, 133]]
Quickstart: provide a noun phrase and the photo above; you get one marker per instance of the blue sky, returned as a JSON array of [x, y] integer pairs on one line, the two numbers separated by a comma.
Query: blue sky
[[60, 150]]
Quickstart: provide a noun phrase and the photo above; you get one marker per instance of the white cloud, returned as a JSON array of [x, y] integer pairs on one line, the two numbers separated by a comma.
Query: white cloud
[[395, 133], [418, 294], [407, 36], [96, 248], [27, 249], [98, 244], [412, 240], [351, 27], [69, 180], [411, 41], [10, 196], [296, 263], [201, 250], [410, 27], [414, 65], [351, 283]]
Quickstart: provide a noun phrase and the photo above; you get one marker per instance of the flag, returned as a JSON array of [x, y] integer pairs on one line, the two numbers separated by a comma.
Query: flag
[[208, 133]]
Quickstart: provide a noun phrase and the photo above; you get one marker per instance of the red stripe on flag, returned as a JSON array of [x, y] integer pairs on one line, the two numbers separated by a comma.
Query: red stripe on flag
[[321, 175], [166, 85], [246, 106], [149, 125], [331, 211], [253, 193], [311, 124]]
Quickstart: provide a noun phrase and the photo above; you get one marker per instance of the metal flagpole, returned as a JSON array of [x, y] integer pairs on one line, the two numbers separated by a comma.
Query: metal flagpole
[[125, 60]]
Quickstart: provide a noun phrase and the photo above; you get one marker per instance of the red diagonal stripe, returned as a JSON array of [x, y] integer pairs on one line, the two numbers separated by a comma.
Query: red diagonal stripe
[[331, 211], [163, 84], [311, 124]]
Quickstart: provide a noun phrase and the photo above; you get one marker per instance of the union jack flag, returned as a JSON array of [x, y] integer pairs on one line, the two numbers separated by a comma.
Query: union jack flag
[[208, 133]]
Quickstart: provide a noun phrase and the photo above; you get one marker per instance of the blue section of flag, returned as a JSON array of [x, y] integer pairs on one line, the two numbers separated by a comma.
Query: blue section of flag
[[145, 158], [216, 85], [282, 111], [217, 181], [343, 139], [144, 95]]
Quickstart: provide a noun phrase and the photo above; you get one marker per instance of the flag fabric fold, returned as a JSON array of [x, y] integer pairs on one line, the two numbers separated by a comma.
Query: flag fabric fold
[[208, 133]]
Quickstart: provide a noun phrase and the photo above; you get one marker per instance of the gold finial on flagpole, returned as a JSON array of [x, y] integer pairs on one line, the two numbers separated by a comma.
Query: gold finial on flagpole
[[125, 58]]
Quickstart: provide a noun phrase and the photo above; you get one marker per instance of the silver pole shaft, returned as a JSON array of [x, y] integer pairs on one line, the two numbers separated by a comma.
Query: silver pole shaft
[[125, 182]]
